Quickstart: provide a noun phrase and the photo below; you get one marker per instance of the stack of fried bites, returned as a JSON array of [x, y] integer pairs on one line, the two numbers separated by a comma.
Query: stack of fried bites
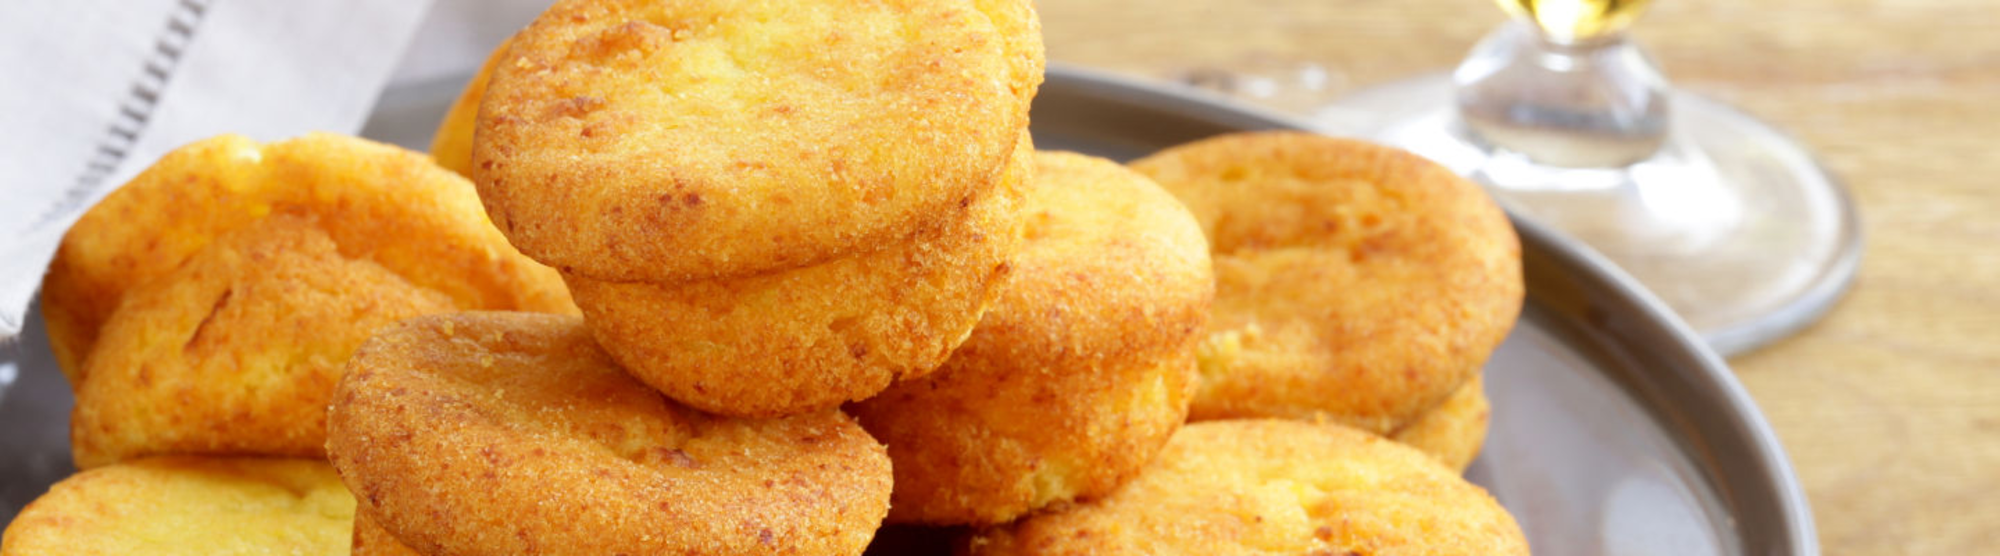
[[822, 282], [204, 313]]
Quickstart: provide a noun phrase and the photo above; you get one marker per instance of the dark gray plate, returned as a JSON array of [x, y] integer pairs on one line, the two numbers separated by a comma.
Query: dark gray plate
[[1614, 430]]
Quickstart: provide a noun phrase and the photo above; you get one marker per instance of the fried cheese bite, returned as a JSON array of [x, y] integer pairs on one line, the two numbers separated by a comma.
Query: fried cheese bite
[[1077, 375], [1274, 487], [512, 433], [1354, 282], [641, 140], [812, 338], [236, 351], [1453, 431], [380, 203], [189, 505], [219, 294]]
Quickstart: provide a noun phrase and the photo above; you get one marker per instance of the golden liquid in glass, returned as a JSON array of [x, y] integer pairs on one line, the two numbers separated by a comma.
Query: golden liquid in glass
[[1575, 20]]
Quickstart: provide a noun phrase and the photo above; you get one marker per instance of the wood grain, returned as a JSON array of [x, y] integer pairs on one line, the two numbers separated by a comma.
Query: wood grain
[[1890, 407]]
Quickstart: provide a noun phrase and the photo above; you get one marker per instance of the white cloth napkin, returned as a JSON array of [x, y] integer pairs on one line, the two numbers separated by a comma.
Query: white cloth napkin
[[96, 90]]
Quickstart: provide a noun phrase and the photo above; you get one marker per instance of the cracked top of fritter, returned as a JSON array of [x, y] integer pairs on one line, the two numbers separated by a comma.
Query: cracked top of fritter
[[377, 203]]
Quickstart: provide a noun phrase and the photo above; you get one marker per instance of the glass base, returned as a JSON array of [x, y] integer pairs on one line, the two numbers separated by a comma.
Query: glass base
[[1731, 223]]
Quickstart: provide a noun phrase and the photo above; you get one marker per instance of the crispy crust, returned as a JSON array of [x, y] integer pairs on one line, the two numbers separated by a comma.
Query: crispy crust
[[1354, 282], [1453, 431], [512, 433], [670, 141], [1274, 487], [193, 506], [815, 337], [378, 202], [1078, 374]]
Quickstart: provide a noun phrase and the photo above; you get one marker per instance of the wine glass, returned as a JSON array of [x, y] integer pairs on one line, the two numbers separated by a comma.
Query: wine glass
[[1567, 122]]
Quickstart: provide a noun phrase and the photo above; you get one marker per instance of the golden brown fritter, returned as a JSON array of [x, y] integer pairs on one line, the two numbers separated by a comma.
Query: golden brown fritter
[[194, 506], [1077, 375], [237, 351], [1274, 487], [209, 305], [1453, 431], [378, 202], [1354, 282], [815, 337], [372, 540], [512, 433], [451, 145], [630, 140]]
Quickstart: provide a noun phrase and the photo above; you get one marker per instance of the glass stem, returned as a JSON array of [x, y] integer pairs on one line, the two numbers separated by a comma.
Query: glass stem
[[1595, 103]]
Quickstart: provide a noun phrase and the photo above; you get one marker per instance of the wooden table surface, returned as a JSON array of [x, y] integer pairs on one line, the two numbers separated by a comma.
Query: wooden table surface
[[1890, 407]]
